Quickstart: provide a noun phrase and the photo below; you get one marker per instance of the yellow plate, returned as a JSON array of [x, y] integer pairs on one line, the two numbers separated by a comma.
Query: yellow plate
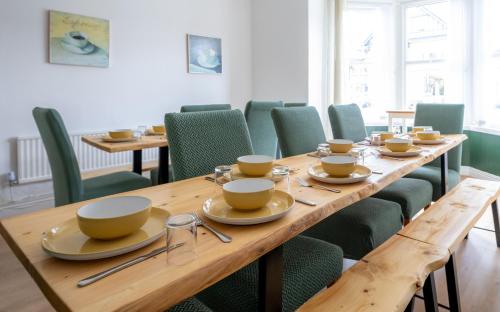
[[413, 151], [361, 173], [218, 210], [109, 139], [441, 140], [66, 241], [236, 174]]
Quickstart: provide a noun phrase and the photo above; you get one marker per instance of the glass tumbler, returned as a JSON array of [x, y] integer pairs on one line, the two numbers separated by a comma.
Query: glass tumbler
[[281, 178], [222, 174], [142, 130], [181, 239], [323, 150]]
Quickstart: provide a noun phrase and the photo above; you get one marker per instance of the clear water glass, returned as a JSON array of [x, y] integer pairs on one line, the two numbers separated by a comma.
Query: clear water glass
[[222, 174], [323, 150], [281, 178], [359, 154], [142, 130], [181, 234]]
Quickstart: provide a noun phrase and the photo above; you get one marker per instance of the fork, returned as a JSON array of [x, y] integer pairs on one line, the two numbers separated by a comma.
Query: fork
[[316, 186], [199, 222]]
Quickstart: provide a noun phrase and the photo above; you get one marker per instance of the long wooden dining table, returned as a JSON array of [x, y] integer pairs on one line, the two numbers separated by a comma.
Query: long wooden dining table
[[153, 285]]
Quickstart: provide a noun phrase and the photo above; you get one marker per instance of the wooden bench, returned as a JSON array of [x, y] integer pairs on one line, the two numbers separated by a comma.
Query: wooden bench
[[388, 277]]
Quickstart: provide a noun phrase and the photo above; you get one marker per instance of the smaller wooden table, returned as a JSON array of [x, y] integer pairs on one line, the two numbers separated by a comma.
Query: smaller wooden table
[[136, 147]]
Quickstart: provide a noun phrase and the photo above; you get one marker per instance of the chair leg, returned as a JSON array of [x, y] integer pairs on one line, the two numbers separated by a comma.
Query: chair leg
[[496, 221], [430, 297], [452, 284]]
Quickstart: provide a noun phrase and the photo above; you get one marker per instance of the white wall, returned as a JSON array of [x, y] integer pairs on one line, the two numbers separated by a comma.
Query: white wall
[[280, 50], [147, 74]]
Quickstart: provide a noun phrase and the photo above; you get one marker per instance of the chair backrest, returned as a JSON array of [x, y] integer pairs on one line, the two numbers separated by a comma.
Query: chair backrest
[[204, 108], [448, 119], [66, 176], [299, 130], [260, 125], [201, 141], [347, 122], [295, 104]]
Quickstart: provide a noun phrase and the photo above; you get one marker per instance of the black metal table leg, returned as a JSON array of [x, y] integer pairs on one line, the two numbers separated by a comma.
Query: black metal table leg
[[496, 221], [137, 162], [452, 283], [430, 298], [271, 280], [411, 305], [163, 165], [444, 173]]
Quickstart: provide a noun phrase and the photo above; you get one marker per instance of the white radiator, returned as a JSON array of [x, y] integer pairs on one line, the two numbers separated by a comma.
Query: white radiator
[[33, 165]]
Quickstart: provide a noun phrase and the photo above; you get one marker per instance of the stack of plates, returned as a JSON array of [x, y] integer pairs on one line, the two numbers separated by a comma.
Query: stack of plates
[[361, 173], [413, 151]]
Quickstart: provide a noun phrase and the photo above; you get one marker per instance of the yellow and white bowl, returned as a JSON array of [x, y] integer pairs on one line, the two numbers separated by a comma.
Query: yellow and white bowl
[[255, 165], [248, 194], [386, 136], [115, 217], [121, 134], [160, 129], [429, 135], [340, 146], [398, 144], [338, 166]]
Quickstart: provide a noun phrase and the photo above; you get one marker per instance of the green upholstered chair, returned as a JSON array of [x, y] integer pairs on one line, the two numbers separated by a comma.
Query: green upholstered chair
[[198, 143], [358, 228], [260, 125], [204, 108], [309, 265], [449, 119], [190, 305], [412, 194], [68, 184], [295, 104]]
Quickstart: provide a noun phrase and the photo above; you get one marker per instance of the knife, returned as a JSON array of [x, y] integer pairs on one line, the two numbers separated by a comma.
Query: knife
[[94, 278], [305, 202]]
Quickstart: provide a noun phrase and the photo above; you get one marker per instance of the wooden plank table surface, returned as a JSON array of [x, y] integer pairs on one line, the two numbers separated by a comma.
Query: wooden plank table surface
[[153, 285], [148, 141]]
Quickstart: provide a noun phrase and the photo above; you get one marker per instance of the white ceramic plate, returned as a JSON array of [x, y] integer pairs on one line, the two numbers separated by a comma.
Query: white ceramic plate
[[413, 151], [117, 140], [361, 173], [218, 210], [429, 142]]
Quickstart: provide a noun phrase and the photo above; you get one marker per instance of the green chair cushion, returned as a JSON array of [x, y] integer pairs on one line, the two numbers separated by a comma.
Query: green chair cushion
[[411, 194], [201, 141], [190, 305], [309, 266], [204, 108], [299, 130], [360, 227], [261, 128], [113, 183], [433, 175], [347, 122]]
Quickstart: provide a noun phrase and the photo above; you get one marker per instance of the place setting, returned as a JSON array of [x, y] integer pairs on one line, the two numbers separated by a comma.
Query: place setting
[[120, 136]]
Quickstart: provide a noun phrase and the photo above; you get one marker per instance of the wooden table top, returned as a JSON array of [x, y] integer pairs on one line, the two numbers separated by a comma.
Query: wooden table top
[[154, 285], [148, 141]]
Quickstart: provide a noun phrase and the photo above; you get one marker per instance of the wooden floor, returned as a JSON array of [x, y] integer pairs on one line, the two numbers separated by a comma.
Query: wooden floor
[[478, 262]]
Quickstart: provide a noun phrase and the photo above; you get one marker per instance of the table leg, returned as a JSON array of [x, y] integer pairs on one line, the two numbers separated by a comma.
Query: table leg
[[452, 283], [411, 305], [163, 165], [430, 298], [137, 162], [496, 221], [271, 280], [444, 173]]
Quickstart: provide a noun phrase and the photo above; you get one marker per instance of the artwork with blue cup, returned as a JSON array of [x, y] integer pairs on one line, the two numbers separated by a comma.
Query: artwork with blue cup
[[204, 55]]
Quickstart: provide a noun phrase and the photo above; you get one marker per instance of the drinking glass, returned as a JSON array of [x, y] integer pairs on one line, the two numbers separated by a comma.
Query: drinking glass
[[281, 178], [323, 150], [222, 174], [181, 239], [142, 130], [359, 154]]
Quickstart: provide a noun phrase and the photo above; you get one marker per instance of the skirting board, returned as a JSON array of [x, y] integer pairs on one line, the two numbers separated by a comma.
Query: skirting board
[[478, 174]]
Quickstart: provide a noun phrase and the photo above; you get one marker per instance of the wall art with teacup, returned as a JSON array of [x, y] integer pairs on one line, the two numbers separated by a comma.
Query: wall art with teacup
[[78, 40], [204, 55]]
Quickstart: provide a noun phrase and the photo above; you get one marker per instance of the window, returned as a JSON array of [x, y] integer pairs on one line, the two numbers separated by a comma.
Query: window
[[426, 45]]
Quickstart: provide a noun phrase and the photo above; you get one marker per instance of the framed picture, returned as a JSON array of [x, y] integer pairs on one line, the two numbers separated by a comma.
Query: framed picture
[[204, 55], [78, 40]]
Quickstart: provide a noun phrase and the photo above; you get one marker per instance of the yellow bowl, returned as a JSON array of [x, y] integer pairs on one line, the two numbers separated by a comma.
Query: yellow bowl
[[121, 134], [338, 166], [159, 129], [421, 129], [386, 135], [255, 165], [429, 135], [247, 194], [398, 145], [112, 218], [340, 146]]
